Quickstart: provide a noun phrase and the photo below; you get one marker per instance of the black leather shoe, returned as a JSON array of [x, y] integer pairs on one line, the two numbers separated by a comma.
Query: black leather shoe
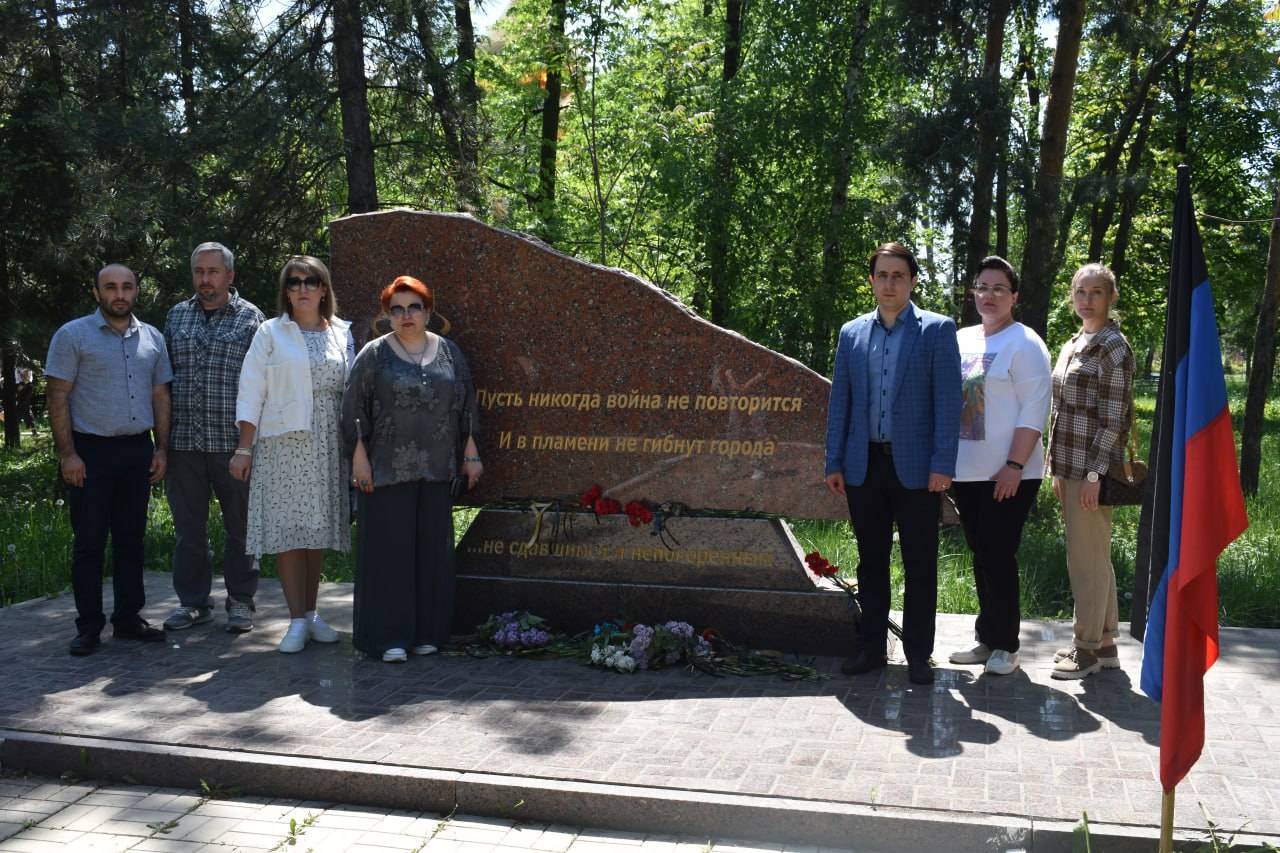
[[84, 643], [863, 661], [141, 631], [919, 672]]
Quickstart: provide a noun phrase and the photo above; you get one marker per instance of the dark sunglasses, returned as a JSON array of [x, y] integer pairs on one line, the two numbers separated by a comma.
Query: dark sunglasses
[[398, 311], [311, 282]]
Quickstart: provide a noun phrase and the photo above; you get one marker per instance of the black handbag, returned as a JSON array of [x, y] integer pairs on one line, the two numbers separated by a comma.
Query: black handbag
[[1126, 482], [458, 486]]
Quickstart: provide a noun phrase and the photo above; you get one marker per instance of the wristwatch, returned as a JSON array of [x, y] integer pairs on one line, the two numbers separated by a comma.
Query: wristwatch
[[1092, 477]]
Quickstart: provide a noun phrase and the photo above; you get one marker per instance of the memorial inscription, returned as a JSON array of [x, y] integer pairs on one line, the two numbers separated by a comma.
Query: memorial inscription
[[590, 375]]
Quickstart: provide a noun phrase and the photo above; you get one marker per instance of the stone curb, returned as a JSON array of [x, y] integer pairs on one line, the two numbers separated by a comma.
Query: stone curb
[[602, 806]]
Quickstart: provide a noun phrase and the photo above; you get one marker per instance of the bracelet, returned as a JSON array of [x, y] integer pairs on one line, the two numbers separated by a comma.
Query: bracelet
[[243, 451], [471, 459], [1017, 466]]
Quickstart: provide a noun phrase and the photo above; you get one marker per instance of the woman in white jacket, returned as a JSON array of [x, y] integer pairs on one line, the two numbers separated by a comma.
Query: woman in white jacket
[[288, 411]]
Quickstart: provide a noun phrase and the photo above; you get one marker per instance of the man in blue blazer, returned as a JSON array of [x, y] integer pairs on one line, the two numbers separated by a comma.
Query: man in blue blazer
[[893, 430]]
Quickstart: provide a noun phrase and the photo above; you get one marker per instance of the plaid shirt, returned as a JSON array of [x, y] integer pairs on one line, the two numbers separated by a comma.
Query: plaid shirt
[[206, 356], [1092, 404]]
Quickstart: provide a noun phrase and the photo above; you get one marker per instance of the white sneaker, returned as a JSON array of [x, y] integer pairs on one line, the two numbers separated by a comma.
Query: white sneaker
[[319, 630], [976, 654], [395, 655], [424, 649], [295, 639], [1002, 662]]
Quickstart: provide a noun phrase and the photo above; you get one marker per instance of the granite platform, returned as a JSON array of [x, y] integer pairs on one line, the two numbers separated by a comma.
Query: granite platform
[[867, 763]]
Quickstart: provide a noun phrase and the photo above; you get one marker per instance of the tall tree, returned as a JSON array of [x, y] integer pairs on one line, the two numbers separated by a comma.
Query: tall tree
[[719, 279], [353, 94], [1039, 260], [833, 261], [991, 126], [549, 141], [470, 190], [1263, 362]]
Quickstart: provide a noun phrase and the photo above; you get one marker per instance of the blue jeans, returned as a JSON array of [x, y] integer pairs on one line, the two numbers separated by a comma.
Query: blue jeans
[[113, 500]]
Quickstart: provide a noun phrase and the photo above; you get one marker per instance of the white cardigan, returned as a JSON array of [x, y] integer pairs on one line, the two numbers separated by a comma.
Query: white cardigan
[[275, 379]]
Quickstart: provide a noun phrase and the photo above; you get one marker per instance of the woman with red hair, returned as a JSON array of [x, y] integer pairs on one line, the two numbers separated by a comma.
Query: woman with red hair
[[408, 414]]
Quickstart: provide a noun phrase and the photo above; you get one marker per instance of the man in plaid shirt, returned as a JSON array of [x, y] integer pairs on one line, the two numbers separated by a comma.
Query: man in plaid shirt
[[208, 336]]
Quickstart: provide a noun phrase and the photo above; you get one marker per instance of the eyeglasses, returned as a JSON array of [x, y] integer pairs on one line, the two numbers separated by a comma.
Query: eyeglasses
[[398, 311], [311, 282], [994, 290]]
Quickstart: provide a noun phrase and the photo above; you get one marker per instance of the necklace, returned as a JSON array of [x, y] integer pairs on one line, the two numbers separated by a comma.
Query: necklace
[[318, 326], [426, 344]]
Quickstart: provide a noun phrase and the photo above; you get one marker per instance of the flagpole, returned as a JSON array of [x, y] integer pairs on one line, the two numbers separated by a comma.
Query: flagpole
[[1166, 822]]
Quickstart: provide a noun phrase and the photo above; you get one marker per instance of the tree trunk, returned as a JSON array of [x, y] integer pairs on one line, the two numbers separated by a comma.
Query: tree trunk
[[443, 102], [187, 63], [1039, 263], [1263, 361], [550, 140], [719, 278], [8, 358], [1129, 194], [992, 122], [468, 108], [833, 263], [348, 49], [1002, 207]]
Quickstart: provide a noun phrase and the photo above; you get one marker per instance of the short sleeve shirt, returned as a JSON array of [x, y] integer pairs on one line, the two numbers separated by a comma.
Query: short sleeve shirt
[[112, 374]]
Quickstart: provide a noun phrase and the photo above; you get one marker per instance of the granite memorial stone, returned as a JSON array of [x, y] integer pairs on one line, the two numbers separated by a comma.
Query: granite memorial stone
[[588, 375]]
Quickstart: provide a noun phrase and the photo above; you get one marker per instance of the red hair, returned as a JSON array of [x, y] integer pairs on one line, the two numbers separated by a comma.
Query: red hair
[[411, 284]]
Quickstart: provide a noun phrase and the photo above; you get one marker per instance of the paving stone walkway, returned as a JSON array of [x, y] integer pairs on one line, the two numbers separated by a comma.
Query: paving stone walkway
[[49, 816], [971, 748]]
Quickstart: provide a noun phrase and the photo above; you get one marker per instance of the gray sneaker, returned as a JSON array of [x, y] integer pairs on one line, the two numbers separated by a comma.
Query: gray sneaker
[[185, 617], [239, 618]]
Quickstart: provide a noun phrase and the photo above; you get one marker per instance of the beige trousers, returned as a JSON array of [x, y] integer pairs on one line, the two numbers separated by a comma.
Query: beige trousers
[[1093, 580]]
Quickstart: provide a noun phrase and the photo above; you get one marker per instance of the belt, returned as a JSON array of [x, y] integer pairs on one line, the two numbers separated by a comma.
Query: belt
[[885, 449]]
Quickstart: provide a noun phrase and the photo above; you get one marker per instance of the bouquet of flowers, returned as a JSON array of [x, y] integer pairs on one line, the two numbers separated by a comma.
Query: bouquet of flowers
[[633, 646], [516, 631], [823, 568]]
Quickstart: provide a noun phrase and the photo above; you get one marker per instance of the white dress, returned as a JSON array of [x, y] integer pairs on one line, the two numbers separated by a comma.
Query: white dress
[[298, 485]]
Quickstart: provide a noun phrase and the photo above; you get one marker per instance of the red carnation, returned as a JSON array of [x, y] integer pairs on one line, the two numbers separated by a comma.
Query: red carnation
[[590, 496], [637, 514], [820, 566], [607, 506]]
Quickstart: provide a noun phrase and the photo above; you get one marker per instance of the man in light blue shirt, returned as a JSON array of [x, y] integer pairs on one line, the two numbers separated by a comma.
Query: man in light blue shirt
[[893, 430], [108, 376]]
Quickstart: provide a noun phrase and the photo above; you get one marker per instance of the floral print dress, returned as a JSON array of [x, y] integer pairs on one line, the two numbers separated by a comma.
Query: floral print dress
[[298, 487]]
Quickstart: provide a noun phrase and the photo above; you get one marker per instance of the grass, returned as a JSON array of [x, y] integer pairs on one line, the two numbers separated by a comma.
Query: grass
[[35, 539], [35, 528]]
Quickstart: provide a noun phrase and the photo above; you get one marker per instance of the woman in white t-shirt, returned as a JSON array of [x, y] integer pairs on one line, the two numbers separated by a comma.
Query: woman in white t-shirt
[[1006, 394]]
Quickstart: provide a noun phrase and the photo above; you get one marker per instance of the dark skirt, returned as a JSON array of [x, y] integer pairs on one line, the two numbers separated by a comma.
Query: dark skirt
[[405, 573]]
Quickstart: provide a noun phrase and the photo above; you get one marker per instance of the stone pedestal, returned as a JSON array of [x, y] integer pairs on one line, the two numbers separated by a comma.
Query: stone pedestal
[[745, 577]]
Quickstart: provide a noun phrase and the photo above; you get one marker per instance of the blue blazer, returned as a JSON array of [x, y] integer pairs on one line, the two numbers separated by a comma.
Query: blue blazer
[[925, 399]]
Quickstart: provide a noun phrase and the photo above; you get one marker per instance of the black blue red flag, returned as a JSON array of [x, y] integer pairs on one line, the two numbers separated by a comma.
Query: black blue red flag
[[1194, 506]]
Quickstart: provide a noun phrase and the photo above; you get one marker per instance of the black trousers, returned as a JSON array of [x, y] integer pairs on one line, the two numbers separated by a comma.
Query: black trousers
[[405, 573], [113, 500], [993, 531], [874, 508]]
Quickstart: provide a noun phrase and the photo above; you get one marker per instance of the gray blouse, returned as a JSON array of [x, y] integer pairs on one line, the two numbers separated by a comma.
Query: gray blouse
[[412, 417]]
